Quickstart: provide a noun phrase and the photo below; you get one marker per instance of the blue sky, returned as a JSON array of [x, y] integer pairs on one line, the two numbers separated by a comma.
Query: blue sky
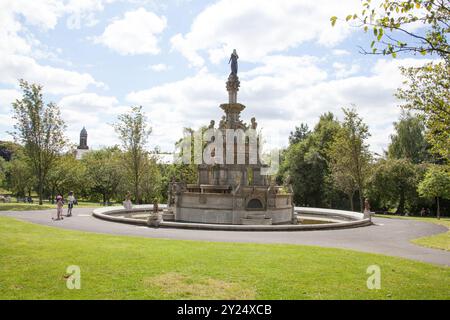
[[95, 58]]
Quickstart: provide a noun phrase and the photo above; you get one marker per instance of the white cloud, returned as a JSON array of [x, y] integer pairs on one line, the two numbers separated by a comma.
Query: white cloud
[[7, 97], [89, 102], [343, 71], [259, 28], [19, 48], [280, 96], [340, 52], [54, 80], [159, 67], [135, 33], [93, 111]]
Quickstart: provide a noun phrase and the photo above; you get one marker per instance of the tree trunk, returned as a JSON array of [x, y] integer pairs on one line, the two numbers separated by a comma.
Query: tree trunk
[[361, 201], [53, 195], [352, 206], [438, 211], [104, 198], [401, 204], [40, 188]]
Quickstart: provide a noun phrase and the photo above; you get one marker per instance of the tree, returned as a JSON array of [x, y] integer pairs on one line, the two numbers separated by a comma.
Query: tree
[[409, 141], [41, 130], [305, 162], [390, 22], [2, 171], [427, 91], [436, 184], [66, 175], [104, 172], [349, 155], [20, 177], [133, 133], [151, 181], [300, 133], [394, 182]]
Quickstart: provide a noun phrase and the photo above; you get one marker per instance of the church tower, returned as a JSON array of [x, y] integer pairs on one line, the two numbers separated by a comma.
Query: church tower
[[83, 147], [83, 140]]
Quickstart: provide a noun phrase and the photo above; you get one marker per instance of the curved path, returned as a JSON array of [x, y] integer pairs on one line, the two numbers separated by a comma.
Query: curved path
[[387, 236]]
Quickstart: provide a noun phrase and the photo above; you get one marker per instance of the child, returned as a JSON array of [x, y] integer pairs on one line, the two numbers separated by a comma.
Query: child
[[59, 206], [71, 201]]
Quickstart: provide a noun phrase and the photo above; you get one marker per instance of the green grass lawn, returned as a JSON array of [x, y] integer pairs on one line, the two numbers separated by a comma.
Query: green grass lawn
[[437, 241], [34, 258], [46, 205]]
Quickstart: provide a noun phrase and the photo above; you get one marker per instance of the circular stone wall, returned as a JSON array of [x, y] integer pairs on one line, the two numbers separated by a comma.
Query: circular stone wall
[[316, 218]]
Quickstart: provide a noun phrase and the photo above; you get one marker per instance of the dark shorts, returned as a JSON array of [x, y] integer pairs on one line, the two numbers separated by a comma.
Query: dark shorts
[[70, 205]]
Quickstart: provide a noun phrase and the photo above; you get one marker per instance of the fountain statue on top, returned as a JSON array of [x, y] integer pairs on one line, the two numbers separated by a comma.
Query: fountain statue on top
[[233, 79], [233, 186]]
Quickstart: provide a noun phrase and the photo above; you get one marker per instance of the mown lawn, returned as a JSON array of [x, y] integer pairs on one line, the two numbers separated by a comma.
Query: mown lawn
[[46, 205], [437, 241], [34, 258]]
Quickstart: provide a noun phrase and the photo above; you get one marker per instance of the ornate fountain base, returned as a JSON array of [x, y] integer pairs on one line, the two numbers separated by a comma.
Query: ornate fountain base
[[249, 205]]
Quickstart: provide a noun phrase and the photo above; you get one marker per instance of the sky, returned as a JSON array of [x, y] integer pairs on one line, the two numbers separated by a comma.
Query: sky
[[96, 58]]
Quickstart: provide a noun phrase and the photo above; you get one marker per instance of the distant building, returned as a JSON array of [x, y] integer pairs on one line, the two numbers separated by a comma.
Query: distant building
[[83, 147]]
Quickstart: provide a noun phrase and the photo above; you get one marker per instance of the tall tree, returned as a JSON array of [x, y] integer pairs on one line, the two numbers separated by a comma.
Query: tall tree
[[66, 175], [300, 133], [104, 172], [349, 154], [305, 161], [427, 91], [436, 184], [133, 133], [20, 178], [394, 183], [40, 128], [408, 141], [391, 22], [151, 181]]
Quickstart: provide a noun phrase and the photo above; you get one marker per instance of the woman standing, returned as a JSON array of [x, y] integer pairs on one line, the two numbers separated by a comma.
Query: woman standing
[[71, 201]]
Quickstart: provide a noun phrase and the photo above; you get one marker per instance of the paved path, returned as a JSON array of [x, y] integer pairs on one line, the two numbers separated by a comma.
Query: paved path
[[388, 236]]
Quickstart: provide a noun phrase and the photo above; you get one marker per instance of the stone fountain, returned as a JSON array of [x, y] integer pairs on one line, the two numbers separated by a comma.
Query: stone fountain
[[233, 188]]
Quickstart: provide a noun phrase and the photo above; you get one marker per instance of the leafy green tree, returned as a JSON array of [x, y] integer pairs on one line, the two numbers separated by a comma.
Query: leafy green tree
[[133, 133], [3, 170], [40, 129], [409, 141], [8, 149], [427, 91], [394, 182], [20, 176], [349, 155], [390, 22], [151, 181], [67, 174], [305, 162], [436, 184], [300, 133], [104, 174]]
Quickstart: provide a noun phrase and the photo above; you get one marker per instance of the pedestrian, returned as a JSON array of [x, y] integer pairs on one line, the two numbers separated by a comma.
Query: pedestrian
[[70, 202], [59, 206], [423, 212]]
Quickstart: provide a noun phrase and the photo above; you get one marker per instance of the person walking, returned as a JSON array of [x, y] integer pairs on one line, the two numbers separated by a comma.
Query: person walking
[[59, 206], [70, 202]]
